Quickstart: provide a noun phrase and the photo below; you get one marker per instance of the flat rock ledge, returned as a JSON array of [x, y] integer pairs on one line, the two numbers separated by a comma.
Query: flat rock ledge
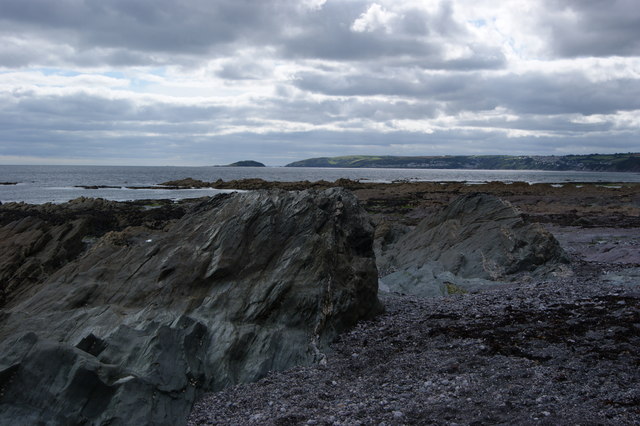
[[143, 321]]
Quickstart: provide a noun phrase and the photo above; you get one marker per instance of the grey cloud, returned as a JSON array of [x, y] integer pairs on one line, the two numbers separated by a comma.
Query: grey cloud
[[327, 34], [155, 27], [48, 116], [455, 141], [242, 69], [44, 123], [531, 93], [415, 41], [346, 109], [558, 124], [12, 56], [595, 28], [556, 93], [356, 85], [155, 32]]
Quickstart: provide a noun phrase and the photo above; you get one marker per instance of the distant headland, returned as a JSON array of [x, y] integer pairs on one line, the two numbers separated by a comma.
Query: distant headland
[[245, 163], [629, 162]]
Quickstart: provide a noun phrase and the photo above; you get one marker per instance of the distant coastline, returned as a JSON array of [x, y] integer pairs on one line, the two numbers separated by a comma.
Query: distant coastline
[[629, 162]]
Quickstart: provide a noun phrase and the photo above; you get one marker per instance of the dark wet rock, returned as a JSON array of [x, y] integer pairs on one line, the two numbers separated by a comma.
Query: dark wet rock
[[146, 320], [97, 187], [477, 240], [187, 183], [257, 184]]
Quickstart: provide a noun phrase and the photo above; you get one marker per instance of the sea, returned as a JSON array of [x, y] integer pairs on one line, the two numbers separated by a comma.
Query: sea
[[58, 184]]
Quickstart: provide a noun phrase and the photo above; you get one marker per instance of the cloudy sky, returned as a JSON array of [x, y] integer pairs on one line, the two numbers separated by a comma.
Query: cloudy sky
[[201, 82]]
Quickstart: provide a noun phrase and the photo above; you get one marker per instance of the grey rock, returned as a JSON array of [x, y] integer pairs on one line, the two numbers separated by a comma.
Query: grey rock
[[477, 241], [146, 320], [37, 240]]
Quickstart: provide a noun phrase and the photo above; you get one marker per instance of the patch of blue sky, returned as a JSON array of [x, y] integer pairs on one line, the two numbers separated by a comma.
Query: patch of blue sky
[[478, 23], [58, 71], [159, 71], [139, 85], [114, 74]]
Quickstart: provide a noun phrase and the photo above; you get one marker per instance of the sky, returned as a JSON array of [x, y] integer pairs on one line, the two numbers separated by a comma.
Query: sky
[[204, 82]]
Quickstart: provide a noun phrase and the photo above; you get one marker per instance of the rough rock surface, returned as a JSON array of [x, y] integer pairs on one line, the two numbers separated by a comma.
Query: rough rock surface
[[554, 353], [37, 240], [477, 240], [146, 320]]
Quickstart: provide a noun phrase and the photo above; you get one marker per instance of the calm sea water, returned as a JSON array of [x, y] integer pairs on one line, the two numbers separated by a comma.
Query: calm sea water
[[42, 184]]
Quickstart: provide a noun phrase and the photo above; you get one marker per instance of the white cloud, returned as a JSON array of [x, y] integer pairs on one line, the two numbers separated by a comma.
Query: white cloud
[[375, 18]]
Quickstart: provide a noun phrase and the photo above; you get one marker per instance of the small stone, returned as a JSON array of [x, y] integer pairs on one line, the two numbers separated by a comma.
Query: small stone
[[398, 414]]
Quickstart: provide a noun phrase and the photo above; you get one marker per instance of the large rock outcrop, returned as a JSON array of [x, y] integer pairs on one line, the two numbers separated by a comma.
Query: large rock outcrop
[[477, 240], [146, 320]]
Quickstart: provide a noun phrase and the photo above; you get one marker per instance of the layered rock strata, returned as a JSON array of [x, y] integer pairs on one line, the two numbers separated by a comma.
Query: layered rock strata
[[37, 240], [139, 325]]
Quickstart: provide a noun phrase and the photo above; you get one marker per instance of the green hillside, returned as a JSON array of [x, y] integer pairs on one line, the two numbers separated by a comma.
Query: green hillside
[[629, 162]]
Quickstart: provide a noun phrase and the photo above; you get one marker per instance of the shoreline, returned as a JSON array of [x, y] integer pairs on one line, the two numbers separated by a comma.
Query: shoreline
[[587, 203], [456, 342]]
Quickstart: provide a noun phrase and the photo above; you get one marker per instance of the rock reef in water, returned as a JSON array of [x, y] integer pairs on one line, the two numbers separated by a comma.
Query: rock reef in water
[[133, 329], [476, 241], [253, 184]]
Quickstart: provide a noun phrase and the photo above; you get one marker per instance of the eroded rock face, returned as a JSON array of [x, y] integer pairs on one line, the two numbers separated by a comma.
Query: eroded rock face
[[37, 240], [477, 240], [147, 320]]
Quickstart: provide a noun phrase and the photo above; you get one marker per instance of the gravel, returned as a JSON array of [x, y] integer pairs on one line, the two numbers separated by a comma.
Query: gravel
[[555, 352]]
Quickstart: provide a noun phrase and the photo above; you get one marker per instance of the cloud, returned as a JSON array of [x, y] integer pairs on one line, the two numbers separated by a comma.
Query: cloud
[[375, 18], [593, 28], [160, 80], [530, 93], [124, 33], [143, 29]]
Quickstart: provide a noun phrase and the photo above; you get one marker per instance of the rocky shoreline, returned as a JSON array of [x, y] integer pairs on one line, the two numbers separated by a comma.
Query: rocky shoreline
[[560, 350], [537, 321]]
